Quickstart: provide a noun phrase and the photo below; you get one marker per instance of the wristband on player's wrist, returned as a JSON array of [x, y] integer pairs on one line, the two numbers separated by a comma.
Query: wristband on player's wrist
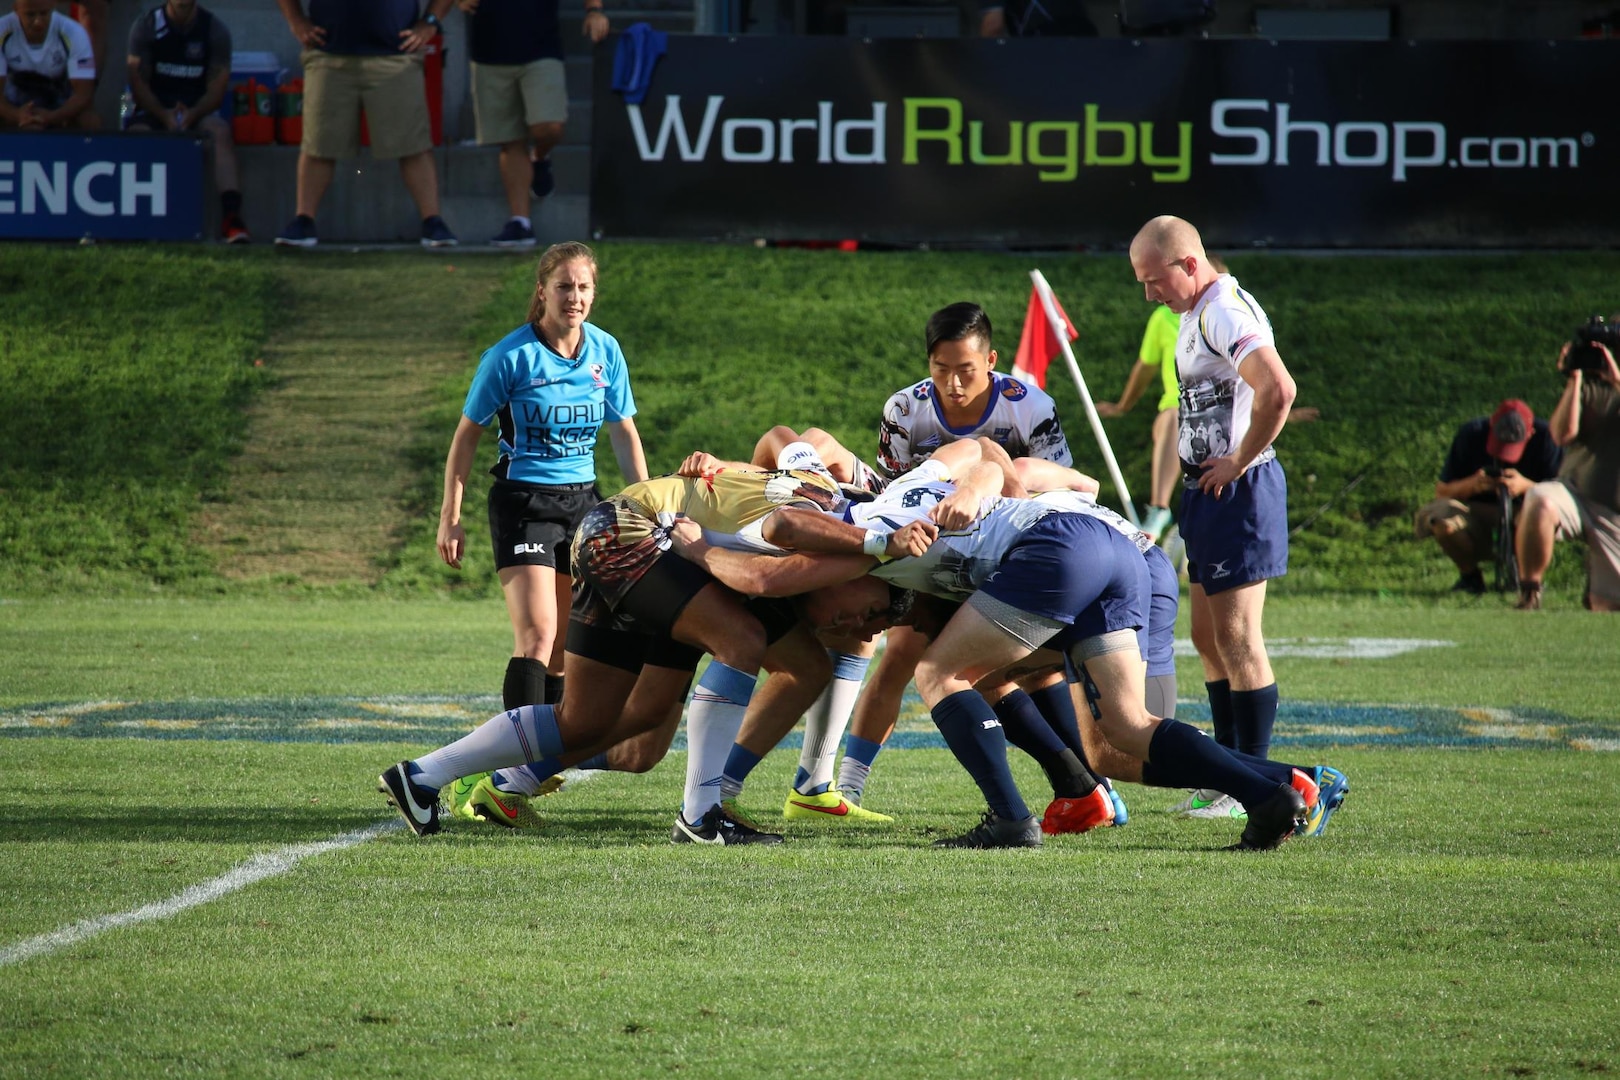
[[876, 544]]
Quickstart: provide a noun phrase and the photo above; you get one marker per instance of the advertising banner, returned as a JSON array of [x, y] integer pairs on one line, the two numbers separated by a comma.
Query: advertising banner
[[106, 187], [1078, 141]]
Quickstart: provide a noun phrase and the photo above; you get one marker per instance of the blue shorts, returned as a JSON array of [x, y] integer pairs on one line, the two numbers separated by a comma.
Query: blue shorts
[[1076, 570], [1159, 637], [1241, 537]]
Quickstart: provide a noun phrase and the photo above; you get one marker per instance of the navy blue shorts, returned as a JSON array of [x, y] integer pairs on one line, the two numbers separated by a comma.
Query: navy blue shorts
[[1159, 646], [1077, 570], [1240, 537]]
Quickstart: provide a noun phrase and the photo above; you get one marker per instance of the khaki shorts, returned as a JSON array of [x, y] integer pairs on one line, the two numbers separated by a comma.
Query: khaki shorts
[[389, 88], [1595, 523], [1479, 522], [508, 98]]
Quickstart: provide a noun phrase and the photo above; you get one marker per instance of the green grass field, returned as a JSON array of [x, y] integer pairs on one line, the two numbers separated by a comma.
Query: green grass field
[[201, 683]]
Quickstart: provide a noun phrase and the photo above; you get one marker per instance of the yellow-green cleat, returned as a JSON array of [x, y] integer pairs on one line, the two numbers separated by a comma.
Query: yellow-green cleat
[[830, 805], [459, 790], [508, 809]]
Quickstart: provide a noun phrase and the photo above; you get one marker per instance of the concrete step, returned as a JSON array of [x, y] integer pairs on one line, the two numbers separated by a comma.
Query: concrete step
[[367, 203]]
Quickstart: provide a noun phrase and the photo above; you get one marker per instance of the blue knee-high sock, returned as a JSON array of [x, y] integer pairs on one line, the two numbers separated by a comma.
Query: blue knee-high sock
[[974, 735], [1254, 714], [1057, 708], [1220, 712], [739, 763], [1280, 771], [1028, 730], [1182, 757]]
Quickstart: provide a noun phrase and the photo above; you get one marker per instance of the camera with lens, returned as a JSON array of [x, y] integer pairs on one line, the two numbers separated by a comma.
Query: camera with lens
[[1584, 354]]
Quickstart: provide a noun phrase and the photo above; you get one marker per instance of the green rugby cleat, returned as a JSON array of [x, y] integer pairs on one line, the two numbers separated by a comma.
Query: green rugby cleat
[[830, 805]]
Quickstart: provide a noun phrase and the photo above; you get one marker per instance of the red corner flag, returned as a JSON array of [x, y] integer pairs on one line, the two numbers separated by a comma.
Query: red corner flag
[[1039, 342]]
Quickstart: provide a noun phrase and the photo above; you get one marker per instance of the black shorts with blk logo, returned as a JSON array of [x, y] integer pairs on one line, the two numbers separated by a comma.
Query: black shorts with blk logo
[[533, 524]]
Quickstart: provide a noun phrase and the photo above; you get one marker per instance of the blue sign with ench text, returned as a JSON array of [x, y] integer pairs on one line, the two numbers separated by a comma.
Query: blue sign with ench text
[[105, 187]]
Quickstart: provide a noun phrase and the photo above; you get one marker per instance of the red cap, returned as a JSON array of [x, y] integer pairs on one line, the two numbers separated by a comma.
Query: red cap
[[1511, 426]]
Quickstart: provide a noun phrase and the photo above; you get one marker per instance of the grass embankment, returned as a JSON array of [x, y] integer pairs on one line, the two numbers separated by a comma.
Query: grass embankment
[[722, 343]]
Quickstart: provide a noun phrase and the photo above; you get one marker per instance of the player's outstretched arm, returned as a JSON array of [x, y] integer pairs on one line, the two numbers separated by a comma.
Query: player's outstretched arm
[[813, 531], [766, 575], [698, 463], [1038, 474]]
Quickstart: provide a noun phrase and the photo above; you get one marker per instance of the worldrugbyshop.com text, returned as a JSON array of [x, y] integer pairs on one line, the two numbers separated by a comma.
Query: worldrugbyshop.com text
[[1243, 132]]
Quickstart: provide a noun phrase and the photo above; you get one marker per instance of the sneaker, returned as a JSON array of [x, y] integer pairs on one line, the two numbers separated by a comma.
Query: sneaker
[[1305, 784], [514, 235], [1120, 816], [1273, 821], [489, 804], [1472, 583], [436, 234], [459, 791], [830, 805], [233, 230], [1529, 596], [418, 805], [738, 814], [1080, 815], [1155, 521], [1196, 799], [718, 826], [993, 832], [300, 232], [1222, 806], [1334, 786], [542, 183]]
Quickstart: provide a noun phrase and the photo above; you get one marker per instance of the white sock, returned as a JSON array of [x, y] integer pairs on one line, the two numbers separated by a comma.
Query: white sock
[[514, 737], [712, 723], [523, 221], [825, 723]]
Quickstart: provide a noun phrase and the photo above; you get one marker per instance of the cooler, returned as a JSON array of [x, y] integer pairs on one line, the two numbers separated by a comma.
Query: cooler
[[250, 100]]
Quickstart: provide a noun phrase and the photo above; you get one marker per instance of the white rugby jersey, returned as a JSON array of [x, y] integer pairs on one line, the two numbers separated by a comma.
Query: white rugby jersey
[[958, 562], [1223, 328], [1020, 417], [63, 56]]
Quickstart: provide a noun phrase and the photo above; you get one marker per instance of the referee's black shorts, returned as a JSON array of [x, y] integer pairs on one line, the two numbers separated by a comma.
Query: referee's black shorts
[[533, 524]]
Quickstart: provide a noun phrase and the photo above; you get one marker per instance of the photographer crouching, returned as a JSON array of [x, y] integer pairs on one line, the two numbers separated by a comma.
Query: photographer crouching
[[1584, 501], [1492, 462]]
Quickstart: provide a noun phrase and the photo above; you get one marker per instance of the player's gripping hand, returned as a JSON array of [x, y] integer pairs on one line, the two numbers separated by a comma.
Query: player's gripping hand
[[699, 463], [957, 510], [913, 539], [452, 543], [687, 537]]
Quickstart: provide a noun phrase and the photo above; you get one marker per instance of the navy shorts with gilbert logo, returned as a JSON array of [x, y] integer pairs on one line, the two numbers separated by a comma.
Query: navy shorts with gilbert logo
[[534, 524], [1241, 537], [1075, 570]]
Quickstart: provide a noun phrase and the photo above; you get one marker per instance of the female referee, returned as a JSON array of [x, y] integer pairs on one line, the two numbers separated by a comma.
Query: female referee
[[551, 383]]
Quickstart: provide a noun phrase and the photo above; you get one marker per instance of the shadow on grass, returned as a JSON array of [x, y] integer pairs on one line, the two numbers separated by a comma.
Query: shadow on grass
[[158, 824]]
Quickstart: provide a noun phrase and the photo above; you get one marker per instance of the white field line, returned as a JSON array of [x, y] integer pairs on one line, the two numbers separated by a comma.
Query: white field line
[[256, 869]]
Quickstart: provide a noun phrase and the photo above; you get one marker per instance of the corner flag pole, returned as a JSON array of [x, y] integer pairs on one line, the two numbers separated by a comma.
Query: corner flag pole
[[1044, 291]]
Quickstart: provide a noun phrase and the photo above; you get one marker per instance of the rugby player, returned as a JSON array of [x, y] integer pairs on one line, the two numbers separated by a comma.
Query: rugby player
[[642, 613], [1036, 574]]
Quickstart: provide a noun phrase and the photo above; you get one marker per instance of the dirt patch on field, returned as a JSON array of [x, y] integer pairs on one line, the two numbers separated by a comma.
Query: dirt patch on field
[[317, 494]]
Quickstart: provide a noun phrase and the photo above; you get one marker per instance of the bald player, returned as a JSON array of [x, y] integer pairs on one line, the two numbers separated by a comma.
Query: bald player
[[1235, 397]]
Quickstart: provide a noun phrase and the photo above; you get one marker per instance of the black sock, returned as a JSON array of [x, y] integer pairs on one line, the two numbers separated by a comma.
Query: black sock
[[1220, 712], [230, 203], [1056, 706], [553, 688], [1182, 757], [525, 683], [1280, 771], [1028, 730], [1254, 714], [975, 737]]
